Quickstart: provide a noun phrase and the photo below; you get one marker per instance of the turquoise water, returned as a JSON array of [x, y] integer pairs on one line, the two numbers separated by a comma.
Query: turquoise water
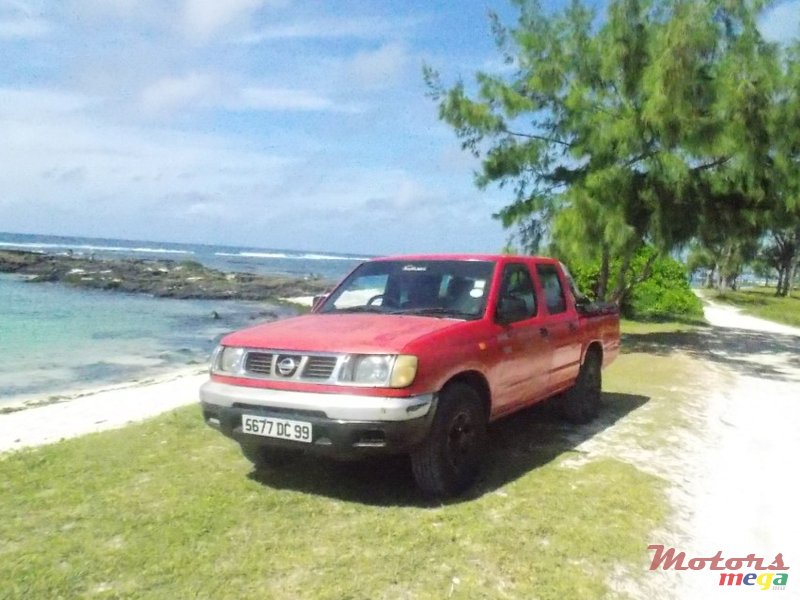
[[55, 339]]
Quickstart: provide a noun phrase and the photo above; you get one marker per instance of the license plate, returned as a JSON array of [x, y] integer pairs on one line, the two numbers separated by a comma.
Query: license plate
[[284, 429]]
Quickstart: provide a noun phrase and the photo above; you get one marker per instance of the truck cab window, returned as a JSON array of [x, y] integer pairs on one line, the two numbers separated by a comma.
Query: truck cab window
[[553, 292], [517, 297]]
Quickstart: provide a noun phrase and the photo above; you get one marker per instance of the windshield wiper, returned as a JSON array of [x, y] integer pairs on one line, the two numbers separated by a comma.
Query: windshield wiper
[[436, 311], [363, 308]]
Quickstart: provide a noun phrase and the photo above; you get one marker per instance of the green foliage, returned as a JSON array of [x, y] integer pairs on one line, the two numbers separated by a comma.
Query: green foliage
[[654, 301], [656, 288], [665, 122]]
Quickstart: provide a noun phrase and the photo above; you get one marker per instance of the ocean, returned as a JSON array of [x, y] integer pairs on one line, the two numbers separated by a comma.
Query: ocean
[[57, 340]]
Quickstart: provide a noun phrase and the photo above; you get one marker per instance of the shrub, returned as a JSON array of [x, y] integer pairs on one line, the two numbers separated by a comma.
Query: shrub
[[664, 295]]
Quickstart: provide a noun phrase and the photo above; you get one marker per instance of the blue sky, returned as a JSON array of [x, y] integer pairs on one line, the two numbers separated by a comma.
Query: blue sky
[[272, 123]]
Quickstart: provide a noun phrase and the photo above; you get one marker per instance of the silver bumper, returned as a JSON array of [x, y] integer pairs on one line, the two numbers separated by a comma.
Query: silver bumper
[[340, 407]]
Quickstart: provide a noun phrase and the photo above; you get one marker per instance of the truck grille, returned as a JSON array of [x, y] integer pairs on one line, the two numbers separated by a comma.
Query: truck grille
[[258, 362], [277, 366], [319, 367]]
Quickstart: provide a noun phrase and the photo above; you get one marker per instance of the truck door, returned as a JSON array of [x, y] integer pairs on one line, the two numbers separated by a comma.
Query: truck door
[[560, 321], [521, 352]]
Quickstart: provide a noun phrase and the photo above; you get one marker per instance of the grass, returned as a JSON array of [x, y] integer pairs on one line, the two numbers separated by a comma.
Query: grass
[[169, 509], [762, 302], [628, 327]]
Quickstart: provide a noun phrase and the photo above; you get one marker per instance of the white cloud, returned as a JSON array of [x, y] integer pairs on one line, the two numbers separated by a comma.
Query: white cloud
[[63, 157], [261, 98], [267, 98], [781, 23], [287, 154], [101, 15], [21, 21], [381, 67], [169, 95], [33, 101], [330, 28], [172, 93], [203, 18], [24, 28]]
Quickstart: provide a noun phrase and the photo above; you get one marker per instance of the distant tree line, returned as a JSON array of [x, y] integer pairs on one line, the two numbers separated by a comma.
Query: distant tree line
[[670, 124]]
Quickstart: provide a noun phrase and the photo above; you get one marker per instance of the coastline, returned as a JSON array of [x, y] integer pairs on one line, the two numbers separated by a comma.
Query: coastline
[[98, 410], [109, 299], [45, 419], [48, 416], [161, 278]]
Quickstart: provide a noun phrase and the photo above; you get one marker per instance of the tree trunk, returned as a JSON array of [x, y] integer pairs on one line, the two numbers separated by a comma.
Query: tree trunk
[[794, 263], [619, 287], [710, 277], [602, 280], [779, 285]]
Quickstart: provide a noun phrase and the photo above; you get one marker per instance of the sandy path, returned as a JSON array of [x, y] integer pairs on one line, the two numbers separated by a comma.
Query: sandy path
[[98, 411], [744, 493]]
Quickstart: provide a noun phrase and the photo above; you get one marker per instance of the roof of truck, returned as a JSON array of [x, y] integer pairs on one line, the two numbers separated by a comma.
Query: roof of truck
[[487, 257]]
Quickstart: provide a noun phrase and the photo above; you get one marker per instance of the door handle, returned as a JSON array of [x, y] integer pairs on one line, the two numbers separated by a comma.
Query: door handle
[[573, 327], [543, 331]]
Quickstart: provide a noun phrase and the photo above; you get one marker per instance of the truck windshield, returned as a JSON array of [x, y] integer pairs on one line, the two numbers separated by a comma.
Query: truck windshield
[[439, 288]]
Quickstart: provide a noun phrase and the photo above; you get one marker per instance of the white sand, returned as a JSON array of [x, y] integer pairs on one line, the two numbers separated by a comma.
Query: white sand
[[301, 300], [746, 494], [106, 409]]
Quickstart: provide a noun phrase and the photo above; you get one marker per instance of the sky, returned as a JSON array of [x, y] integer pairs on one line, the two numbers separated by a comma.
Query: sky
[[267, 123]]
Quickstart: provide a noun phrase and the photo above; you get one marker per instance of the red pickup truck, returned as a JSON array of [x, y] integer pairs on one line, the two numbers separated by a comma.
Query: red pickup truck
[[413, 355]]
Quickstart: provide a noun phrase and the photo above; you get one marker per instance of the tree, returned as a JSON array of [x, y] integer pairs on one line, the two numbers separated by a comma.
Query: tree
[[784, 218], [626, 133]]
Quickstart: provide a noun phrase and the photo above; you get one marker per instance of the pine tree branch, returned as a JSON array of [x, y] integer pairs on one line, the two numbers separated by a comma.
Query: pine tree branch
[[534, 136], [710, 165]]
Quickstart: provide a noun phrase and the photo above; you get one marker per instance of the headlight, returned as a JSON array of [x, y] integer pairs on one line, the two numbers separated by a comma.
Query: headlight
[[228, 360], [372, 369], [380, 370]]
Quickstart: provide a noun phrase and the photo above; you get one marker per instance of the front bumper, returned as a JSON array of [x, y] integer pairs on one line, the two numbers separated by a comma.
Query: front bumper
[[343, 425]]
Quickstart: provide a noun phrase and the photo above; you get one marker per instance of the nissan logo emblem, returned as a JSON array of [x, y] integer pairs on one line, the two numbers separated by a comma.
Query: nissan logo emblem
[[287, 366]]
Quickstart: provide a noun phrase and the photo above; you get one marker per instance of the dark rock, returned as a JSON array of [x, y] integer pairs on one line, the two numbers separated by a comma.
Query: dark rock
[[161, 278]]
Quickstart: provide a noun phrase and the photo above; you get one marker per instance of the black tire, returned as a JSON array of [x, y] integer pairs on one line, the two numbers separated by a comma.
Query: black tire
[[581, 404], [449, 460], [264, 457]]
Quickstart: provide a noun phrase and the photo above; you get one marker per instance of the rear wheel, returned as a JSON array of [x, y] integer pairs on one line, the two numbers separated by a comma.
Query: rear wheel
[[448, 461], [264, 457], [581, 404]]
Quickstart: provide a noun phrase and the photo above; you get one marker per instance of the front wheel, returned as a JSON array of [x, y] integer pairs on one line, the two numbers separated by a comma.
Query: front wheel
[[448, 461], [581, 404]]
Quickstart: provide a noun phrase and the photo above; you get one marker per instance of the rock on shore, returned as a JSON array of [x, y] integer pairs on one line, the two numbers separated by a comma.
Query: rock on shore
[[162, 278]]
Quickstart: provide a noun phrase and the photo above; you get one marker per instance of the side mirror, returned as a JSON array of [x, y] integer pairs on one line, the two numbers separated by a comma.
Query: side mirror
[[510, 309], [318, 300]]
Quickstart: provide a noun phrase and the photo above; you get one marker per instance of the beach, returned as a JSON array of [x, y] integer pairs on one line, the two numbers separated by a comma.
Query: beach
[[38, 421], [89, 345], [84, 314], [102, 409], [31, 424]]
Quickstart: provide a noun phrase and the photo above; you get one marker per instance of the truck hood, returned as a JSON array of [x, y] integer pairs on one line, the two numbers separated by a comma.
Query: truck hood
[[343, 333]]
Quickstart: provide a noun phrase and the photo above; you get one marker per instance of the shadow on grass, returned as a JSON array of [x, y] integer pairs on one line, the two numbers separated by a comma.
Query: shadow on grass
[[748, 352], [518, 444]]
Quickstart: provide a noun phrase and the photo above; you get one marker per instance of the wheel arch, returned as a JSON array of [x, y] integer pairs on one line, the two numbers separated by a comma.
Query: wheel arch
[[594, 347], [477, 381]]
